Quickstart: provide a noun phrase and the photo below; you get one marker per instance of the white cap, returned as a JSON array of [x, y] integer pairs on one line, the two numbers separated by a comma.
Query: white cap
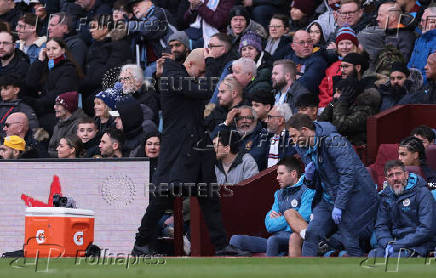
[[114, 113]]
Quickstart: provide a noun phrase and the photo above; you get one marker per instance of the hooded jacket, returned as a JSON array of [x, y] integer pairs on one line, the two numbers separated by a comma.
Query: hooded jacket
[[407, 219], [297, 197], [242, 168], [346, 184]]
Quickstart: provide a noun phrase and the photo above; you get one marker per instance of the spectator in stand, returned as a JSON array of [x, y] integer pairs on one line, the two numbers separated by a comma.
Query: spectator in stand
[[104, 102], [13, 147], [151, 148], [301, 14], [350, 108], [263, 10], [327, 20], [307, 104], [351, 14], [178, 42], [245, 71], [349, 196], [278, 145], [413, 8], [83, 11], [232, 166], [292, 195], [346, 42], [111, 143], [208, 16], [147, 32], [278, 41], [397, 88], [240, 23], [315, 32], [110, 49], [69, 146], [354, 65], [39, 9], [426, 43], [120, 11], [18, 124], [286, 89], [412, 153], [310, 66], [9, 13], [68, 114], [425, 134], [52, 74], [389, 31], [29, 42], [88, 133], [13, 60], [10, 87], [405, 215], [262, 102], [60, 26], [132, 80]]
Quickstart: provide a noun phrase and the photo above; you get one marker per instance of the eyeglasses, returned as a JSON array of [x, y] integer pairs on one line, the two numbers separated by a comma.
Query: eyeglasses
[[250, 118], [6, 43], [310, 42], [350, 13], [345, 66], [9, 124], [214, 46], [270, 117], [275, 26]]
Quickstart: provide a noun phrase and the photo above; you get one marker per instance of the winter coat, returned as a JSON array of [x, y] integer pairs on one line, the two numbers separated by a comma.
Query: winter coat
[[350, 120], [242, 168], [253, 26], [18, 66], [283, 48], [92, 147], [62, 129], [9, 107], [78, 48], [262, 82], [185, 155], [216, 66], [294, 92], [103, 56], [326, 87], [51, 83], [149, 33], [375, 39], [11, 17], [297, 197], [427, 95], [346, 184], [424, 46], [407, 219], [311, 68], [217, 18], [34, 48]]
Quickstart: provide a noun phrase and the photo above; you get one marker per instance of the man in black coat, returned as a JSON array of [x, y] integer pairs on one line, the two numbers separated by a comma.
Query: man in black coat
[[186, 155], [13, 61]]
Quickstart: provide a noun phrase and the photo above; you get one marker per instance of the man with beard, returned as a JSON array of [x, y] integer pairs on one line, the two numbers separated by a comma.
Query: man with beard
[[405, 216], [13, 61], [396, 88], [354, 65], [178, 43], [286, 89]]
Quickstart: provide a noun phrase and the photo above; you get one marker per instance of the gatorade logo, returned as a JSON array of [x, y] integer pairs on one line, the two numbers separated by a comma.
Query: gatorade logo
[[40, 236], [78, 238]]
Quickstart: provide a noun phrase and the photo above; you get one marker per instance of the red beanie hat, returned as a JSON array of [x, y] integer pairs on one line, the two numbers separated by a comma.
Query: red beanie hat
[[347, 33], [68, 100]]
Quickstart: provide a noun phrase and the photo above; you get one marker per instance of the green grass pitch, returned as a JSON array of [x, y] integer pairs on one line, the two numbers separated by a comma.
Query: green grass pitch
[[219, 267]]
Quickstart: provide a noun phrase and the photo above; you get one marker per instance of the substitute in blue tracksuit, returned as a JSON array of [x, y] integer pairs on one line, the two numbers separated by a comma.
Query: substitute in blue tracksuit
[[349, 196], [405, 218], [293, 194]]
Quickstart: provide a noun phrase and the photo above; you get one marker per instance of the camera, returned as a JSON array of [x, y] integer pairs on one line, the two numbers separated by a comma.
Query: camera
[[67, 202]]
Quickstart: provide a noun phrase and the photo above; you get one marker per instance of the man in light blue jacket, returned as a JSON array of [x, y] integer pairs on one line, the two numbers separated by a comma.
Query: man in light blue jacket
[[292, 195]]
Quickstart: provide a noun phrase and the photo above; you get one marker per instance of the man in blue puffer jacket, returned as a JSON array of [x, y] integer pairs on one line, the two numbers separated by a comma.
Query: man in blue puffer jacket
[[292, 195], [349, 196], [405, 219]]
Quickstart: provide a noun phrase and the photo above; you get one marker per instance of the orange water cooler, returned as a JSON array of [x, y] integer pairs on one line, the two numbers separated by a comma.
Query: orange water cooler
[[58, 231]]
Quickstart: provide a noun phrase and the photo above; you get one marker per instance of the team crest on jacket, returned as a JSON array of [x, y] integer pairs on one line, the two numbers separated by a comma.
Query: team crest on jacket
[[406, 202], [248, 145], [294, 203]]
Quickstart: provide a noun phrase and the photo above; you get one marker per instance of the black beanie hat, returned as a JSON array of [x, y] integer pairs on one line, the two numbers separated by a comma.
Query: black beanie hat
[[307, 100], [239, 10], [357, 59], [397, 66], [264, 97]]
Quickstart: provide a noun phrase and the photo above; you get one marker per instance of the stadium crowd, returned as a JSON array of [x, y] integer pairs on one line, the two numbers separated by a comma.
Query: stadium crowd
[[219, 90]]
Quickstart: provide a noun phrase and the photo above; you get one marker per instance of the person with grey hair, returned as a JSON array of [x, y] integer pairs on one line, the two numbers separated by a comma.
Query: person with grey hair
[[278, 144], [132, 79], [245, 71], [60, 25]]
